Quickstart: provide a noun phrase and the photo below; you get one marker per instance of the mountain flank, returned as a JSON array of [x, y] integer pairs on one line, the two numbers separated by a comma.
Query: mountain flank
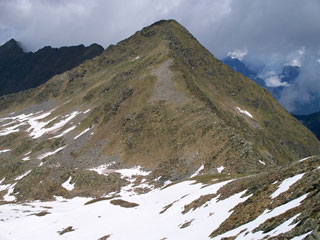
[[155, 132], [20, 70]]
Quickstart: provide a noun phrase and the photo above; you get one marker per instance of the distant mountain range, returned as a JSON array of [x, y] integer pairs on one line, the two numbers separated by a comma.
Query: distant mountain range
[[288, 76], [20, 70]]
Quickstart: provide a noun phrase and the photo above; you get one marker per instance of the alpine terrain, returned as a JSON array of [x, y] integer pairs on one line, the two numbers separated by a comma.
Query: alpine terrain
[[155, 139]]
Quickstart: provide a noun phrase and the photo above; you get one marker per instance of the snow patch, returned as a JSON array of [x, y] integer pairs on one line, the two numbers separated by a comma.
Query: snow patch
[[67, 185], [42, 156], [303, 159], [196, 173], [220, 169], [286, 184], [102, 169], [28, 153], [136, 58], [285, 227], [244, 112], [83, 132], [64, 132], [245, 231], [26, 158], [37, 128], [262, 162], [10, 130], [3, 187], [86, 111], [301, 237], [8, 197], [5, 150], [167, 183], [23, 175], [130, 172]]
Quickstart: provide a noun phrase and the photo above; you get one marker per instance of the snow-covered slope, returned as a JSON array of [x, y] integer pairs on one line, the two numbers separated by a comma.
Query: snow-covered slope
[[185, 210]]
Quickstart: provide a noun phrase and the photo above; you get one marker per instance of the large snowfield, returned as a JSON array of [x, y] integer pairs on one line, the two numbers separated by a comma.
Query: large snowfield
[[158, 215]]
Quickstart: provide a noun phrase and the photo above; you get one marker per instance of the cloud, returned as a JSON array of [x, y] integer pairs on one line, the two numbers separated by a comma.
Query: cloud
[[303, 96], [239, 54], [37, 23], [270, 29], [275, 81]]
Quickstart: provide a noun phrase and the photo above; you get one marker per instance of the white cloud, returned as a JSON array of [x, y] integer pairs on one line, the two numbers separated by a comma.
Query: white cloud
[[295, 63], [272, 79], [302, 50], [275, 81], [239, 54], [297, 57]]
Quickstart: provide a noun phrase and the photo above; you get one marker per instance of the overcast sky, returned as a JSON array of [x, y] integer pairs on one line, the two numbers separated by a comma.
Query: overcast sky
[[269, 33]]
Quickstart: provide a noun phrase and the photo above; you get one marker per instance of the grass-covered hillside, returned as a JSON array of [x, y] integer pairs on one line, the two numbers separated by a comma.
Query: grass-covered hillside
[[158, 100]]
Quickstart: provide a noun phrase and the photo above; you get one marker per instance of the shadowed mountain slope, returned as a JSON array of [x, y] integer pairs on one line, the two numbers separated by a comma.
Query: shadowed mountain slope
[[20, 71]]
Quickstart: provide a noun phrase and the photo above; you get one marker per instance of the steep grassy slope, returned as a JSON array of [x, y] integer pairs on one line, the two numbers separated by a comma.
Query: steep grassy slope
[[157, 99]]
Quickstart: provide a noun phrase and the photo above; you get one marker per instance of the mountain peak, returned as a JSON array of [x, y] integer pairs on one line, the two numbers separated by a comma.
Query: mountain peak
[[11, 47], [162, 29], [161, 101]]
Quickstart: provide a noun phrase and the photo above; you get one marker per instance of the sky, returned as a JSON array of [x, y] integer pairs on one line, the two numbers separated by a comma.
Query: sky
[[265, 34]]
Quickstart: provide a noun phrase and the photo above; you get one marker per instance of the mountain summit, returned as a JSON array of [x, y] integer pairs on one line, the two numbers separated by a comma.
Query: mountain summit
[[155, 109], [11, 48]]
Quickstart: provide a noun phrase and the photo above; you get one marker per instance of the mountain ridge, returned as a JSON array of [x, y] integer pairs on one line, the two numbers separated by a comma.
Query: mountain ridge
[[21, 70]]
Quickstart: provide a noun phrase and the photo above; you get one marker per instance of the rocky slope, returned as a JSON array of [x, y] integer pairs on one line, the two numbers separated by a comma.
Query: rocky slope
[[155, 110], [20, 70]]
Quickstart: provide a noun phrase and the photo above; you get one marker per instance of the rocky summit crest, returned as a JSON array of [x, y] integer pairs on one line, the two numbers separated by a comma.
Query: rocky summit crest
[[153, 110]]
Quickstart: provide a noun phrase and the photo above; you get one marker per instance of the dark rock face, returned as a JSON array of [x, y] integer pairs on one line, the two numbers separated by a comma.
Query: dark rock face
[[20, 71]]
